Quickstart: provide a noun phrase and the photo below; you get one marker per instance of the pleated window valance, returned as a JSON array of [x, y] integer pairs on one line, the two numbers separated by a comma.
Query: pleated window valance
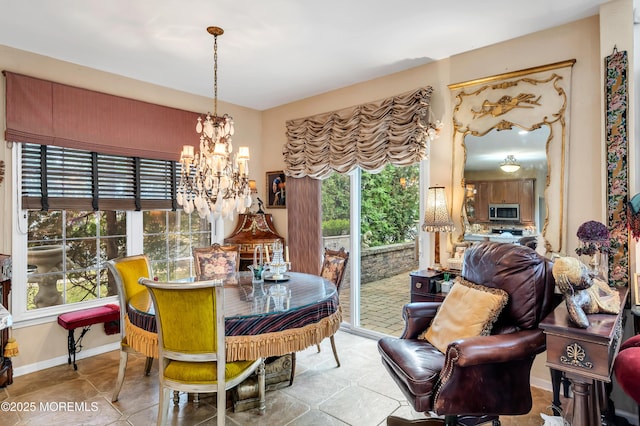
[[47, 113], [392, 130]]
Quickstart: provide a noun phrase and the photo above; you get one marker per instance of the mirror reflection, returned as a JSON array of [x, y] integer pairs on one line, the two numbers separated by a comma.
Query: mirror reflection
[[505, 176]]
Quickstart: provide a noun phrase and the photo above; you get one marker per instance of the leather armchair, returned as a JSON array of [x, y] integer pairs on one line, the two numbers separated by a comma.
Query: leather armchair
[[478, 378]]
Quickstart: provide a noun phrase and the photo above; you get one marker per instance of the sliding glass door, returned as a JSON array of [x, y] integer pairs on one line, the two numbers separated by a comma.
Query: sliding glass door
[[381, 210]]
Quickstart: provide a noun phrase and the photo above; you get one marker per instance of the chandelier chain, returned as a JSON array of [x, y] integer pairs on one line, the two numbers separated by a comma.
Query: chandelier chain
[[215, 75]]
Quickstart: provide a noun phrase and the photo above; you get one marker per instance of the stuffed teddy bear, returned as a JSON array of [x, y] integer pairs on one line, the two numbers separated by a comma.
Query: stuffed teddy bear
[[584, 293]]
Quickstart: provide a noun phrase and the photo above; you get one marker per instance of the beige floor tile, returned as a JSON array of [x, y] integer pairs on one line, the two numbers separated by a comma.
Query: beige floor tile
[[360, 392]]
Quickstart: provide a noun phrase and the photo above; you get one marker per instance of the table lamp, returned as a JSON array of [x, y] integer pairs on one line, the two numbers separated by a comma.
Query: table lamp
[[437, 218]]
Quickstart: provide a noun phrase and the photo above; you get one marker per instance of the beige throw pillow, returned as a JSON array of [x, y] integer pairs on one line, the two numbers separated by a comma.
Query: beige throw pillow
[[468, 310]]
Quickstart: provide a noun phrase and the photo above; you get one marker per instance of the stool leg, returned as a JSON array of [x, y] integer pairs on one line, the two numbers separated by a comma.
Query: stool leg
[[71, 347], [74, 345]]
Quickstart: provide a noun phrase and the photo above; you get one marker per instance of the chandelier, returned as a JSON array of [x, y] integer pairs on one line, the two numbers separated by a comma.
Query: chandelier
[[510, 164], [214, 180]]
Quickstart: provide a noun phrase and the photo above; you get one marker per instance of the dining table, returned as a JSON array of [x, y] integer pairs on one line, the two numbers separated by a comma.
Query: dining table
[[262, 319]]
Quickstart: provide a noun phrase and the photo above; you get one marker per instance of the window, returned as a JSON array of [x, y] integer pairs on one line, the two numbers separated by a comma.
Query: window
[[66, 251], [82, 208], [169, 238]]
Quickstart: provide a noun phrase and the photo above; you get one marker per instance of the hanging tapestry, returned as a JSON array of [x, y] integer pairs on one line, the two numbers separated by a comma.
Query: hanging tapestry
[[616, 92]]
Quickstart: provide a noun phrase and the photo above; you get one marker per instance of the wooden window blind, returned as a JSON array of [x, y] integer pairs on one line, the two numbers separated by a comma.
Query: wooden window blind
[[66, 178]]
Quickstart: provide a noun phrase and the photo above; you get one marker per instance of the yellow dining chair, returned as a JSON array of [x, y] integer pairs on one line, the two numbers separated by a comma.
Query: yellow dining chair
[[190, 319], [216, 261], [126, 272]]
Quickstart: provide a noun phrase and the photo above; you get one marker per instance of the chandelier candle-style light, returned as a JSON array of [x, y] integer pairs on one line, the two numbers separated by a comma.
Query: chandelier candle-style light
[[214, 180]]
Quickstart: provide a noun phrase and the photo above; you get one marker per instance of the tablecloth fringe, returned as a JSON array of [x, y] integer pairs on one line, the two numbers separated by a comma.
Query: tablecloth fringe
[[249, 347], [141, 340], [282, 342]]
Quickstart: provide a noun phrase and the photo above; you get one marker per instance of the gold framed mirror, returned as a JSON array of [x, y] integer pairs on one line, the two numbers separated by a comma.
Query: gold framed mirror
[[510, 163]]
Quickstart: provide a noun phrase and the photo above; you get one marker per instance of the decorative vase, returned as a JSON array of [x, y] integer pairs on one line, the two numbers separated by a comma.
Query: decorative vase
[[599, 265]]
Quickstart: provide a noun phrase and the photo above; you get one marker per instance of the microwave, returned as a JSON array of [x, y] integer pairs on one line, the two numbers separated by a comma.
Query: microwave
[[510, 212]]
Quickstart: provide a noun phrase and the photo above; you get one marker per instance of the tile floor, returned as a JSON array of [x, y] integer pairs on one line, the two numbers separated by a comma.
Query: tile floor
[[360, 392], [381, 304]]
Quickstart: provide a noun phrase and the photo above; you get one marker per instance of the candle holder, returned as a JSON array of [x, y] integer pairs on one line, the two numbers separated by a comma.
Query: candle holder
[[278, 266]]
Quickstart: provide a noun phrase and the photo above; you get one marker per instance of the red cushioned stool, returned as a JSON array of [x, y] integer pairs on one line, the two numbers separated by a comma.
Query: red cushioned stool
[[85, 318]]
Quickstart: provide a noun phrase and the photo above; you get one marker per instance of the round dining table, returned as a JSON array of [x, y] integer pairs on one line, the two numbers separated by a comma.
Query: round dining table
[[256, 324]]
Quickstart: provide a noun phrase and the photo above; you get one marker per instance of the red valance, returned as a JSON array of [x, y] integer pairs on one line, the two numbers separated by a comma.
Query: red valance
[[48, 113]]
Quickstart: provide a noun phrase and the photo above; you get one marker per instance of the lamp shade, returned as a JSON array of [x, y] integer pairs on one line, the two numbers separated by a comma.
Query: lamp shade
[[436, 216]]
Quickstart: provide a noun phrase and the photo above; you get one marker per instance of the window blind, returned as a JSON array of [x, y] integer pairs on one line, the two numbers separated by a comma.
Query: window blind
[[66, 178]]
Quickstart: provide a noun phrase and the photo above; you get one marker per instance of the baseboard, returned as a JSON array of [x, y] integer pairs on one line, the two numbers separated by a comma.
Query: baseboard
[[85, 353], [541, 384]]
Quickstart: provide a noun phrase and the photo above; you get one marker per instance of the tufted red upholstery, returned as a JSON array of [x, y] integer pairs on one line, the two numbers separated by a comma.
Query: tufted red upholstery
[[484, 375], [627, 367], [90, 316]]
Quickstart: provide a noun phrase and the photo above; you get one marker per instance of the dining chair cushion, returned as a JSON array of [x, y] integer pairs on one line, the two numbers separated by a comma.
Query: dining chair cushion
[[332, 268], [468, 310], [131, 271], [202, 372], [217, 264]]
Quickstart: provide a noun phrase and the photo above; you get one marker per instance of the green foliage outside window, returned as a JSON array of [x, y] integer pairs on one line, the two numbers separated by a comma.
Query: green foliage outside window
[[84, 241], [390, 205]]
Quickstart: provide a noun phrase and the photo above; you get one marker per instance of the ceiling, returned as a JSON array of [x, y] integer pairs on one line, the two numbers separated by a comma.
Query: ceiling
[[273, 52]]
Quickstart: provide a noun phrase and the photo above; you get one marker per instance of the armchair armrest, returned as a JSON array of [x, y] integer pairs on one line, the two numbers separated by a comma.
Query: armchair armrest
[[496, 348], [417, 317]]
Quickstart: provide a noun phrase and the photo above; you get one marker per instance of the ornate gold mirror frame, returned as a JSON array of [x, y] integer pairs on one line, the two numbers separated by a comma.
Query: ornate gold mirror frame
[[527, 99]]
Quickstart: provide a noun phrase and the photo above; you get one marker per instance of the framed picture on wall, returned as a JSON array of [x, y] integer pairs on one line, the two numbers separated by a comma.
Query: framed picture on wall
[[276, 190]]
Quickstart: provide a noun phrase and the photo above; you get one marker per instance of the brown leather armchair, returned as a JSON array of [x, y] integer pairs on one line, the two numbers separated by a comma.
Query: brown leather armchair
[[478, 378]]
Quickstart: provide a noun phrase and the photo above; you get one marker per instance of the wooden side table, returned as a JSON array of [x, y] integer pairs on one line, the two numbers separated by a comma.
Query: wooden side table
[[424, 285], [6, 367], [586, 357]]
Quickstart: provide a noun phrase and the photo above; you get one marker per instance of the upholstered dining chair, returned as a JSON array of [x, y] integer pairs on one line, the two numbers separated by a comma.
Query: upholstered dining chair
[[191, 338], [334, 265], [216, 261], [469, 357], [126, 271]]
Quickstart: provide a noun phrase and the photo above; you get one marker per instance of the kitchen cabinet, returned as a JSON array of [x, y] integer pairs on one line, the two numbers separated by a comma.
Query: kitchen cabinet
[[504, 192], [482, 202], [526, 200], [513, 191]]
